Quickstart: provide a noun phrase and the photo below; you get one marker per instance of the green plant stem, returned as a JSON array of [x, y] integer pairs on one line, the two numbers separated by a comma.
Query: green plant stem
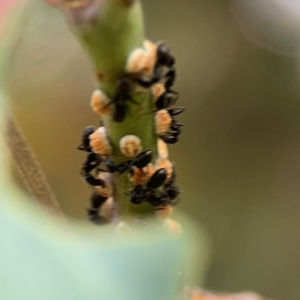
[[113, 31]]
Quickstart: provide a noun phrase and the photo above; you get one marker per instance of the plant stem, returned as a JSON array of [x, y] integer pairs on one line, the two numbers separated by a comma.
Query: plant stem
[[109, 30]]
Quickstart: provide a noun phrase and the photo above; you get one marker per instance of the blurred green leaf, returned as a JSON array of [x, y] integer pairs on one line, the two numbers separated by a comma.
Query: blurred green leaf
[[42, 258]]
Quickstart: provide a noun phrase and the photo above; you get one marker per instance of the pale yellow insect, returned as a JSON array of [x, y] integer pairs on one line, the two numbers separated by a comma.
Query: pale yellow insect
[[99, 103], [99, 142], [163, 121], [141, 176], [130, 145]]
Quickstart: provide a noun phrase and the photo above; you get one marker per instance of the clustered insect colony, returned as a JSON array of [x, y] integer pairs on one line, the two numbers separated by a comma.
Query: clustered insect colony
[[150, 67]]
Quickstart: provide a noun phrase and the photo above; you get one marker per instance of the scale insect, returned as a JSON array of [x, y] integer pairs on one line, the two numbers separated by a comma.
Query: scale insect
[[150, 174], [163, 60], [167, 127], [142, 193]]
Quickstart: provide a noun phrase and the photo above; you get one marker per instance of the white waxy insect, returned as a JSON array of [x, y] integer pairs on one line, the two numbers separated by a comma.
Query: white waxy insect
[[141, 61], [99, 103], [141, 176], [131, 145], [99, 142], [150, 47], [157, 90], [163, 121], [136, 61], [162, 148]]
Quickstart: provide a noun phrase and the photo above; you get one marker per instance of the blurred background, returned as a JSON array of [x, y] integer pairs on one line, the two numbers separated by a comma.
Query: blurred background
[[239, 157]]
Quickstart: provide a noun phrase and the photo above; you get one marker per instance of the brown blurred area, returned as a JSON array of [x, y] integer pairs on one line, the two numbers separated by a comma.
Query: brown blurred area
[[238, 159]]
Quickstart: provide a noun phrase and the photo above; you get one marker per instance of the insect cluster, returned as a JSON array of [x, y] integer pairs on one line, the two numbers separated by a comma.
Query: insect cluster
[[151, 179]]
